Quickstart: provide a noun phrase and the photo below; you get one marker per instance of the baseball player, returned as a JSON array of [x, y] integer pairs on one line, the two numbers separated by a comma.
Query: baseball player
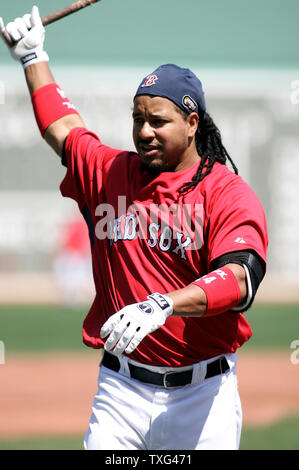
[[178, 250]]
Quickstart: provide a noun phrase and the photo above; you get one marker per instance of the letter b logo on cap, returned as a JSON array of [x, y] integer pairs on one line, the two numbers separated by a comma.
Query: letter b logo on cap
[[150, 80]]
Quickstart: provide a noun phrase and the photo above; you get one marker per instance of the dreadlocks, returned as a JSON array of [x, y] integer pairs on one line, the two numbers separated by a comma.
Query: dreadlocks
[[210, 148]]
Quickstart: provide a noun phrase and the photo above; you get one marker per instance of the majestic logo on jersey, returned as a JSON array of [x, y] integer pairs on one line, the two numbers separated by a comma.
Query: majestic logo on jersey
[[189, 103], [150, 80], [145, 307], [240, 240]]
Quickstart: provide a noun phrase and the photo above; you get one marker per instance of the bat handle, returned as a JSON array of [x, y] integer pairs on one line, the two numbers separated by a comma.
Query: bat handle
[[7, 38], [57, 15], [72, 8]]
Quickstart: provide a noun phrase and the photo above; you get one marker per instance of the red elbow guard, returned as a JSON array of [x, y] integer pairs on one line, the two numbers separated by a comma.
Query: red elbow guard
[[222, 291], [49, 104]]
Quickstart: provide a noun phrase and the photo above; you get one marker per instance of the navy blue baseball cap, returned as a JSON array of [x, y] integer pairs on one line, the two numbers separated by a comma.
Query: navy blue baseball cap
[[178, 84]]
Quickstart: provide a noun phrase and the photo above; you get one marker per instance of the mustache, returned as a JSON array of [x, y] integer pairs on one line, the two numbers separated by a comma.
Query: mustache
[[149, 144]]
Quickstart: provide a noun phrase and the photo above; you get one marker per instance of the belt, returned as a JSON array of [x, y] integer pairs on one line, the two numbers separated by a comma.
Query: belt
[[168, 380]]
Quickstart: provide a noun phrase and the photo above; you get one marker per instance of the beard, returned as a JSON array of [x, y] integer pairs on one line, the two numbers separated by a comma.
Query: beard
[[153, 168]]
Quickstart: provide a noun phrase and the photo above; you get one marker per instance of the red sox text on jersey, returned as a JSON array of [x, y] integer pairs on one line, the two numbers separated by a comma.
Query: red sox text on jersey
[[164, 227]]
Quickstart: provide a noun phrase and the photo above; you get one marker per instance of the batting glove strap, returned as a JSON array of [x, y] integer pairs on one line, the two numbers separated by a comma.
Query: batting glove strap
[[28, 34], [128, 327]]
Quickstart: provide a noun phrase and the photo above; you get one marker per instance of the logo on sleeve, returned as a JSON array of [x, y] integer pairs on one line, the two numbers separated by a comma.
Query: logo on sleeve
[[150, 80], [145, 307], [240, 240]]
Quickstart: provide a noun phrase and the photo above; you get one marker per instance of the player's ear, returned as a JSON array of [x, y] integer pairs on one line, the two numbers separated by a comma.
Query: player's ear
[[192, 121]]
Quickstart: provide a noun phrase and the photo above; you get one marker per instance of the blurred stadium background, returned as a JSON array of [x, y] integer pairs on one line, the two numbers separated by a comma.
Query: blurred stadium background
[[246, 54]]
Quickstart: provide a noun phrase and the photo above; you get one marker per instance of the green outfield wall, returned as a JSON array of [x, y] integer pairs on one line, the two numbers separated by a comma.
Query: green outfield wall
[[230, 33]]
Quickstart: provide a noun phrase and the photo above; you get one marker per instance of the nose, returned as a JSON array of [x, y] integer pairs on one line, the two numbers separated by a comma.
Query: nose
[[146, 131]]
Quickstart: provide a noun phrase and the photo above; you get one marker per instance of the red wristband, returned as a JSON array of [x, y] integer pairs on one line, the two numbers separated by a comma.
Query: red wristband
[[49, 104], [222, 291]]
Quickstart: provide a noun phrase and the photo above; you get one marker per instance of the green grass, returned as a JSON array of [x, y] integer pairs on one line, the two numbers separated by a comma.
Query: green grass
[[48, 328], [283, 435], [274, 326], [41, 328], [44, 443]]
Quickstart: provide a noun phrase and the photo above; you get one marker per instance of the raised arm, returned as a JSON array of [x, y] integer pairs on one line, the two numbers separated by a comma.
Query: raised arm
[[55, 115], [37, 76]]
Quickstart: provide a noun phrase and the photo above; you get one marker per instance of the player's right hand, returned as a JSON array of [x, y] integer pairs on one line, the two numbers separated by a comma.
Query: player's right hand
[[28, 35], [128, 327]]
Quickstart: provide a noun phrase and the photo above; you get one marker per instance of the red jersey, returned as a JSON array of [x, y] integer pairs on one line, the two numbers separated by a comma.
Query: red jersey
[[148, 237]]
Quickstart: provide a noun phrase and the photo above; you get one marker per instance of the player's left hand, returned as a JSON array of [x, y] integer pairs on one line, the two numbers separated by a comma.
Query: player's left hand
[[128, 327]]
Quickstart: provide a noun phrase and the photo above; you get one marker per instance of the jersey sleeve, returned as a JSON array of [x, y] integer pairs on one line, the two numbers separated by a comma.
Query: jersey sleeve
[[84, 156], [235, 219]]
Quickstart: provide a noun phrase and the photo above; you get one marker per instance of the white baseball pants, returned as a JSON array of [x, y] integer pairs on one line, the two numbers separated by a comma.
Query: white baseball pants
[[130, 415]]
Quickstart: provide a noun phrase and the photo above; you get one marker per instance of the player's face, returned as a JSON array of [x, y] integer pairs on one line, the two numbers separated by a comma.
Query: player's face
[[164, 138]]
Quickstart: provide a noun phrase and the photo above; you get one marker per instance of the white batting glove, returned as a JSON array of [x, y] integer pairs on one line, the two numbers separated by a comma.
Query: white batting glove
[[28, 35], [128, 327]]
